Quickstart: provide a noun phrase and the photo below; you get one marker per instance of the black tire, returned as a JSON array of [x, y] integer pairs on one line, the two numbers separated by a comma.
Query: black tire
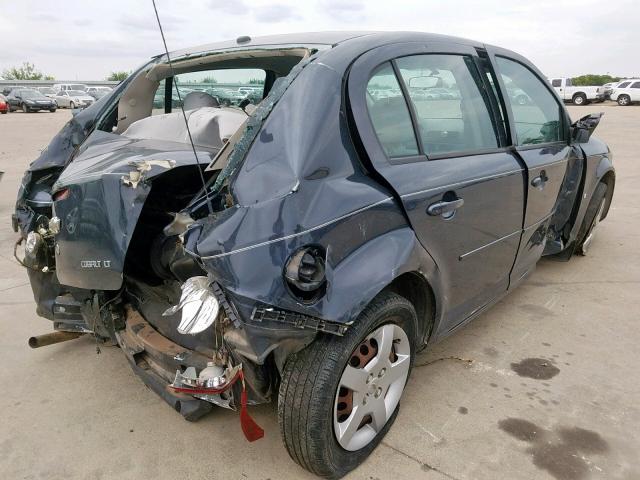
[[624, 100], [579, 99], [6, 111], [310, 382], [25, 109], [72, 105], [52, 110], [592, 217]]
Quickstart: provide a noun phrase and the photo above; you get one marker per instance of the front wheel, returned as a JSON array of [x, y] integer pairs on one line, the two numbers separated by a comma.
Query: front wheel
[[52, 110], [25, 109], [340, 395], [72, 105], [624, 100]]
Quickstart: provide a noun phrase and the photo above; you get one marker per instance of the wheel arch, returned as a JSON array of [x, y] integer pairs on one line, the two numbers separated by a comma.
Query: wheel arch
[[401, 265], [415, 287], [609, 177]]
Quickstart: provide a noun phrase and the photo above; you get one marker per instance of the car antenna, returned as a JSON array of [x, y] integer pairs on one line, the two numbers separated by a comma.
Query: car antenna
[[184, 116]]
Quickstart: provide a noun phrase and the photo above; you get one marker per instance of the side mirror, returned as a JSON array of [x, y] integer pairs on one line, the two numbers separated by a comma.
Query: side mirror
[[582, 129]]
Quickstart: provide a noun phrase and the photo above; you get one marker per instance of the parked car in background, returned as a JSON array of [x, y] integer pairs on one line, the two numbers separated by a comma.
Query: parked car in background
[[30, 100], [73, 99], [626, 92], [6, 90], [4, 105], [577, 95], [70, 86], [47, 91], [303, 252], [98, 92]]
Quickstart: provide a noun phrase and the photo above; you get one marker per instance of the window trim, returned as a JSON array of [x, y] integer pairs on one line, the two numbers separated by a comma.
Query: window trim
[[409, 109], [354, 95], [409, 103], [422, 156]]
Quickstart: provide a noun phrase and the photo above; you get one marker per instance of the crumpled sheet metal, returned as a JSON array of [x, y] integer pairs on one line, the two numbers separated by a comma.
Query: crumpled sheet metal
[[254, 123], [136, 176], [198, 304]]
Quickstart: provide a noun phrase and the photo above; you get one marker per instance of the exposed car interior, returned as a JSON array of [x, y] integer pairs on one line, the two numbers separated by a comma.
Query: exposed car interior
[[146, 109]]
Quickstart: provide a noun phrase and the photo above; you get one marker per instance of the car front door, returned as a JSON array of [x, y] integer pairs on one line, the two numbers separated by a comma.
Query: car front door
[[540, 134], [431, 127], [63, 99]]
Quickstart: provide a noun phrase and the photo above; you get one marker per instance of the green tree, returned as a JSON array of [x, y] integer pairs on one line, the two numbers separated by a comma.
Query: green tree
[[118, 76], [26, 72], [209, 80], [593, 80], [255, 81]]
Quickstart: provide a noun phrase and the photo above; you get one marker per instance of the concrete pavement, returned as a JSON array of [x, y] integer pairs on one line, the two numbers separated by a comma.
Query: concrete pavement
[[552, 390]]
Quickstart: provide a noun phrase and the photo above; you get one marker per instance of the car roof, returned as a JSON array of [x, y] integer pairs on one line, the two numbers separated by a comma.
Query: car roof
[[329, 38]]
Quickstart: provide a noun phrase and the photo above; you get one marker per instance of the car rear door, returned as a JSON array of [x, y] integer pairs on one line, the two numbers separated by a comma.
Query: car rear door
[[445, 155], [634, 91], [540, 137]]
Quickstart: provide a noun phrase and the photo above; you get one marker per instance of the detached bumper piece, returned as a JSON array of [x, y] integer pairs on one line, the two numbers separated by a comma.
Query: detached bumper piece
[[162, 366], [155, 359], [264, 313]]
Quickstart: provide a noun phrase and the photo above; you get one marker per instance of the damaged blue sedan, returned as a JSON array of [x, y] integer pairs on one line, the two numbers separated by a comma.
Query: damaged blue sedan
[[300, 241]]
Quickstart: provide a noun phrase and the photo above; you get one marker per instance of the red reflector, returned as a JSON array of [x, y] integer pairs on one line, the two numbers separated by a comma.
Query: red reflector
[[61, 194]]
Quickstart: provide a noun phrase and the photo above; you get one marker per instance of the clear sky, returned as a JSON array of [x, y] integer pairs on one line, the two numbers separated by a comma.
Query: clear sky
[[85, 40]]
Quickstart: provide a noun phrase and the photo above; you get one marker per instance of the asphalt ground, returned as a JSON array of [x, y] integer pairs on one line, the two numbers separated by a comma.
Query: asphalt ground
[[545, 385]]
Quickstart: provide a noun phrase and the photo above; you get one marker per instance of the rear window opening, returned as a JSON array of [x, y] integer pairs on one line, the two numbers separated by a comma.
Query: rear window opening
[[226, 81]]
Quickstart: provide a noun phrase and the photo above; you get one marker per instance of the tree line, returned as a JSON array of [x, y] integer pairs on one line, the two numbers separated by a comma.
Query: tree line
[[28, 71]]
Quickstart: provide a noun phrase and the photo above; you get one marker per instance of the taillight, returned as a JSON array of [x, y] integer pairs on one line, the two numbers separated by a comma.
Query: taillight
[[61, 194]]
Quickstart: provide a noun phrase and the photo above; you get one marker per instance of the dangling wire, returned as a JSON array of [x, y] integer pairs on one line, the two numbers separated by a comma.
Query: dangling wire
[[184, 116]]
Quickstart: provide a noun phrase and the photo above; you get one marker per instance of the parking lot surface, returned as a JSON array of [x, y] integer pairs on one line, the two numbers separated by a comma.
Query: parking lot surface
[[545, 385]]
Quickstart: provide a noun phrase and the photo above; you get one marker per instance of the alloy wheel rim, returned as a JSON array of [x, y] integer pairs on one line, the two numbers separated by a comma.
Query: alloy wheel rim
[[371, 386]]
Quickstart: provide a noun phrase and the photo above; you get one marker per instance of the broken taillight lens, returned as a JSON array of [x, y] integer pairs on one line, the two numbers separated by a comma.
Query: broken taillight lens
[[61, 194]]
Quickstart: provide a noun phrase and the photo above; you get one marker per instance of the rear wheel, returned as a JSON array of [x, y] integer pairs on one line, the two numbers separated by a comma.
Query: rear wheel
[[340, 395], [592, 218], [579, 99], [624, 100]]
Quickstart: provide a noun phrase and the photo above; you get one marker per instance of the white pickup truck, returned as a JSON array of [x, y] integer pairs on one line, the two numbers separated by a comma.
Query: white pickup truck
[[577, 95]]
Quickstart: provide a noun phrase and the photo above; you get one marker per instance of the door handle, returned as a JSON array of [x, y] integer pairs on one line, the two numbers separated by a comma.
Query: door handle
[[540, 180], [446, 209]]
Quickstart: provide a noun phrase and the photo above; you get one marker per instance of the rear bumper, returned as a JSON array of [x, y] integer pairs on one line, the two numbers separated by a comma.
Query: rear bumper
[[155, 359]]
